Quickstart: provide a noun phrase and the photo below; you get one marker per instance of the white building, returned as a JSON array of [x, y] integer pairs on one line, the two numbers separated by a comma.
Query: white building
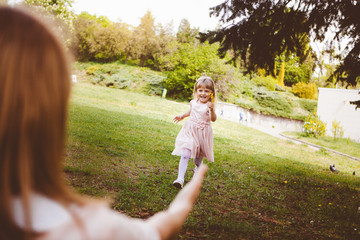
[[334, 104]]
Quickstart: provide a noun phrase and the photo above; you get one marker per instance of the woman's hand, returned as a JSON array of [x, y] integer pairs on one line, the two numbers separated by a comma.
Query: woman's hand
[[169, 222]]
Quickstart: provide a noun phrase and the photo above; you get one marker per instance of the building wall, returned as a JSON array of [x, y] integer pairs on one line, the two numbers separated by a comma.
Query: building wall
[[334, 104]]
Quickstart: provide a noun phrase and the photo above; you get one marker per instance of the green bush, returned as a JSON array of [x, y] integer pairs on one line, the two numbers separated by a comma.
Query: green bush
[[313, 126], [308, 104], [278, 104], [305, 90], [154, 85], [118, 80], [295, 74], [123, 76], [233, 86], [187, 62], [92, 69], [97, 78], [337, 130], [269, 82]]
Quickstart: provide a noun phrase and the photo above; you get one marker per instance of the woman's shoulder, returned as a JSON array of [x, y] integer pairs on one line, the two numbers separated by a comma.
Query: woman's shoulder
[[98, 220], [46, 213], [114, 224]]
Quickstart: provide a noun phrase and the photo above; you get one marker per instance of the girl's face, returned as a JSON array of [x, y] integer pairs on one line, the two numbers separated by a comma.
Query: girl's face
[[203, 94]]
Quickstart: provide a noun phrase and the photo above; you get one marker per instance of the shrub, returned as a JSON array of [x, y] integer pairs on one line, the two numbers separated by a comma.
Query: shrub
[[92, 69], [269, 82], [313, 126], [308, 104], [295, 74], [97, 78], [337, 130], [117, 75], [188, 62], [305, 90], [233, 86], [118, 81], [280, 105], [154, 85]]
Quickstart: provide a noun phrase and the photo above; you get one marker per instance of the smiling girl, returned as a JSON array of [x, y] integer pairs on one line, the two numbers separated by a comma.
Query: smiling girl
[[195, 139]]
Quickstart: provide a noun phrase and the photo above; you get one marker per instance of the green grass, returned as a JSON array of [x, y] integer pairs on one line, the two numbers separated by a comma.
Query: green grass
[[344, 145], [259, 187]]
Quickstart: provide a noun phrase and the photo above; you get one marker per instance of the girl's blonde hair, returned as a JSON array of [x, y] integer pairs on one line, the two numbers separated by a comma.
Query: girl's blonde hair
[[206, 82], [34, 92]]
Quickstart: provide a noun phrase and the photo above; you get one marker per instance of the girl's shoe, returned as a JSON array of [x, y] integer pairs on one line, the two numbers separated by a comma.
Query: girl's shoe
[[178, 183]]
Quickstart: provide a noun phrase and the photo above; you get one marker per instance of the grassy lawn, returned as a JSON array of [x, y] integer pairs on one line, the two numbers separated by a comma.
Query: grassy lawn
[[259, 187], [343, 145]]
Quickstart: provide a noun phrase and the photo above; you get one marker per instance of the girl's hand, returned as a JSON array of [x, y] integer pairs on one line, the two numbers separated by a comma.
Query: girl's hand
[[211, 106], [178, 118]]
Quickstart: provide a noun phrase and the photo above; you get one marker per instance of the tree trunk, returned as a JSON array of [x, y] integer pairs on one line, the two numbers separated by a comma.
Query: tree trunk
[[281, 74]]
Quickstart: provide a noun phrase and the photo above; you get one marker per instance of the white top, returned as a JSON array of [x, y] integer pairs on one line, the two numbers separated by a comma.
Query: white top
[[98, 221]]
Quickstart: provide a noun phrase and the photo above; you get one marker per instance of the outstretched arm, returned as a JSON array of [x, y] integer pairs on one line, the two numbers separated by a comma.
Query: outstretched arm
[[178, 118], [169, 222]]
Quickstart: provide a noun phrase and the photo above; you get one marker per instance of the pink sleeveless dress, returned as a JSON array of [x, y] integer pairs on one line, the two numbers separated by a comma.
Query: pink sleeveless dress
[[196, 134]]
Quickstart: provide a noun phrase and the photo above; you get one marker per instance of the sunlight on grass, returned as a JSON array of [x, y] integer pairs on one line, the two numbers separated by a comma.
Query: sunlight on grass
[[344, 145], [259, 187]]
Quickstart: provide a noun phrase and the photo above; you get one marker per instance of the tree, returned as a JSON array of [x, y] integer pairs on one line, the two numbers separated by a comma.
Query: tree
[[99, 39], [165, 36], [281, 74], [294, 70], [266, 28], [59, 8], [144, 39], [185, 33]]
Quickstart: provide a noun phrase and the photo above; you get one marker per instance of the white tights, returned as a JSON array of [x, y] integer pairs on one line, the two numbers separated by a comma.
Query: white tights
[[185, 156]]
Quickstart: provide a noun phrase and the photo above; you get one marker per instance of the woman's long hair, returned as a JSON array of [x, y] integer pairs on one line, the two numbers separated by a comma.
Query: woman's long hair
[[34, 93]]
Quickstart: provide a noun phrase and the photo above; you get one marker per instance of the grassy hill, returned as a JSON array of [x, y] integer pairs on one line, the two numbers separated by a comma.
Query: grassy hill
[[243, 92], [259, 187]]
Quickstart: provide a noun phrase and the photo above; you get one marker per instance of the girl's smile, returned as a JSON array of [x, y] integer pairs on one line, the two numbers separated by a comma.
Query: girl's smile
[[203, 94]]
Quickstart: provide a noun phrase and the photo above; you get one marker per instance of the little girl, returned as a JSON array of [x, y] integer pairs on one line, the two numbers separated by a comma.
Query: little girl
[[195, 139]]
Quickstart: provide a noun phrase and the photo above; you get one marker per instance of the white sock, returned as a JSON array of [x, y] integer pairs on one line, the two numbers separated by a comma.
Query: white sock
[[185, 155]]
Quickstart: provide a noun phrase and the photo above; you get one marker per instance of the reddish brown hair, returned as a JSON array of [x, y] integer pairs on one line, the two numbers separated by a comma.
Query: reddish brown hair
[[34, 92]]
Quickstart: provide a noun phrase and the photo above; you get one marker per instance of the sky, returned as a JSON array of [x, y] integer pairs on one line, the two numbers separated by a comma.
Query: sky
[[163, 11]]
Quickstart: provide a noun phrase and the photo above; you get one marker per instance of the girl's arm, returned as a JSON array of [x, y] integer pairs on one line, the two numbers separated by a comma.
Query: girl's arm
[[178, 118], [211, 107], [169, 222]]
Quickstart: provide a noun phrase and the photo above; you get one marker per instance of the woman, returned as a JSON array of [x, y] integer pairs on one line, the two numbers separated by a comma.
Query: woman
[[35, 202]]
